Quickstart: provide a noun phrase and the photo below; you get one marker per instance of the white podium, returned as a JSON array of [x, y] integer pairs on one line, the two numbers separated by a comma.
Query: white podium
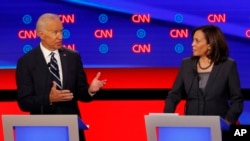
[[42, 127], [172, 127]]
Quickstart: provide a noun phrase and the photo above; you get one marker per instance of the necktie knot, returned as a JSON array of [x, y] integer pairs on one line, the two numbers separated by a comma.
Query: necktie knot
[[52, 54], [52, 58]]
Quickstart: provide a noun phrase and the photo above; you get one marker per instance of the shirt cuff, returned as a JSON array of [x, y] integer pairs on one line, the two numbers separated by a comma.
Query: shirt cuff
[[91, 94]]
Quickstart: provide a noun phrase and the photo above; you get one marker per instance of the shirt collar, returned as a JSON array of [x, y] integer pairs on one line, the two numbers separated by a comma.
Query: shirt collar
[[47, 52]]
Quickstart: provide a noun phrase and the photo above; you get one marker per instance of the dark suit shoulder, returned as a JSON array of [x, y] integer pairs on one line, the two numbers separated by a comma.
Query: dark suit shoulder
[[189, 61], [31, 54], [72, 54], [67, 50], [229, 62]]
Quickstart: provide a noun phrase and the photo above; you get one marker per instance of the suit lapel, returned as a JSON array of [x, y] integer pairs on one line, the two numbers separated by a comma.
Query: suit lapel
[[212, 78], [64, 62], [192, 76], [42, 70], [42, 65]]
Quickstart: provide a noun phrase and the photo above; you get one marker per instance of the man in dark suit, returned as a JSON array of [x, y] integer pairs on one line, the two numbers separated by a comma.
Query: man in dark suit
[[38, 92]]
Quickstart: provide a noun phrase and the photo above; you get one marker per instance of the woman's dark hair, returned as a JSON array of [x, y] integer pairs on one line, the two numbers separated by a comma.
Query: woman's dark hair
[[216, 40]]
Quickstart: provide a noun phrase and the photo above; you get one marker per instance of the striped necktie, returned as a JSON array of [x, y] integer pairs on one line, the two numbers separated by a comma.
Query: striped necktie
[[53, 67]]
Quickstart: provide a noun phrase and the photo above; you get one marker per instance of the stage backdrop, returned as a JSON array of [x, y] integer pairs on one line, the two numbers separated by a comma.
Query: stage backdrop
[[127, 34]]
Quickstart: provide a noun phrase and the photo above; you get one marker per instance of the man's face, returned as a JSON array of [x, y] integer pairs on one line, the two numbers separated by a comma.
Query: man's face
[[51, 36]]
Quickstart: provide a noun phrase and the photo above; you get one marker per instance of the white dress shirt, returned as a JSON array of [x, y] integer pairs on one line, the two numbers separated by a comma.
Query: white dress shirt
[[47, 56]]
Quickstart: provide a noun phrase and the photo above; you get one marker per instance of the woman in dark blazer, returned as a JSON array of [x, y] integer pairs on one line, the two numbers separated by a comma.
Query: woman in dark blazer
[[209, 79]]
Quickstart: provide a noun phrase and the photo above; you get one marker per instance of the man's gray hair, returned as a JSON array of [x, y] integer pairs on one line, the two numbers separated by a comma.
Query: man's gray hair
[[41, 22]]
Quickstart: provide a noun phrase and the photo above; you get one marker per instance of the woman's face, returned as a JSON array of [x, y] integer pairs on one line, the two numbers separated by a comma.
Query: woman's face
[[199, 44]]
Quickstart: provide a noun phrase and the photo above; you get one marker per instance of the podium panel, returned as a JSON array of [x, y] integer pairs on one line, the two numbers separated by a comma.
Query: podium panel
[[42, 127], [41, 133], [183, 134], [171, 127]]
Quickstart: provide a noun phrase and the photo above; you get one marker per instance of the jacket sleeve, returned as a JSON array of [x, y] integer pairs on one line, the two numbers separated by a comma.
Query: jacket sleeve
[[236, 97], [29, 96], [174, 96], [82, 82]]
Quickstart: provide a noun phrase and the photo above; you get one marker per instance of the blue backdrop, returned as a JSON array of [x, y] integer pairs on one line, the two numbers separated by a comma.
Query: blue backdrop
[[127, 33]]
